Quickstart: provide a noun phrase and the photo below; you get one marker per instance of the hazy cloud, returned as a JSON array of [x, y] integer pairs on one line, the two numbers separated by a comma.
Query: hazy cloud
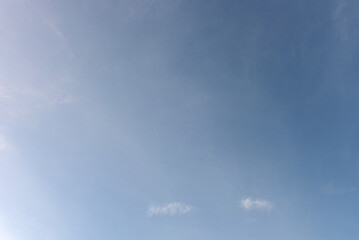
[[175, 208], [5, 232], [345, 19], [4, 144]]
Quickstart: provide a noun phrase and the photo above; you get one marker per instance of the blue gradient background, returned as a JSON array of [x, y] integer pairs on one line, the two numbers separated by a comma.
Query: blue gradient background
[[108, 107]]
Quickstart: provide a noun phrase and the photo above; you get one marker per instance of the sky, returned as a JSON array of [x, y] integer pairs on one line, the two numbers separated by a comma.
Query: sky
[[177, 119]]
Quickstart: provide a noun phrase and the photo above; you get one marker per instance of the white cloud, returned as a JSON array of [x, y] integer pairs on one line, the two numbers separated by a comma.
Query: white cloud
[[171, 209], [253, 204]]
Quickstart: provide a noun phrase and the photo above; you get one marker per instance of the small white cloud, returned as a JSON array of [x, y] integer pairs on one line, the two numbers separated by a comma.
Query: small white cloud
[[171, 209], [253, 204]]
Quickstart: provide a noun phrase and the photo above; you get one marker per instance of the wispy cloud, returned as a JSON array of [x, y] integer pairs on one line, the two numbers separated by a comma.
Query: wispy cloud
[[340, 21], [253, 204], [50, 24], [171, 209], [331, 189], [21, 98]]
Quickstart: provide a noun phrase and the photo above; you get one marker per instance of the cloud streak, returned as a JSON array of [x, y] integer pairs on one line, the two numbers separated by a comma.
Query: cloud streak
[[255, 204], [171, 209], [53, 27]]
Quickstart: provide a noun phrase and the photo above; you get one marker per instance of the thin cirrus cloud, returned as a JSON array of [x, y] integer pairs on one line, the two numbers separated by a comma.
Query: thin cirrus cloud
[[331, 189], [19, 98], [4, 144], [255, 204], [170, 209]]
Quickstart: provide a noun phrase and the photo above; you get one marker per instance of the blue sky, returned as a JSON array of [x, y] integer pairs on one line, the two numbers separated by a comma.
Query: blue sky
[[153, 119]]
